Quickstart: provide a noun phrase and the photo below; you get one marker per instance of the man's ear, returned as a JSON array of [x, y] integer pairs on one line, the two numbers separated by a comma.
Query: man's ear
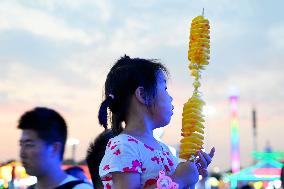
[[56, 149], [141, 95]]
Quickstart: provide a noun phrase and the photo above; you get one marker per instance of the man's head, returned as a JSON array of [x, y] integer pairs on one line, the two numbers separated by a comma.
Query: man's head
[[43, 139]]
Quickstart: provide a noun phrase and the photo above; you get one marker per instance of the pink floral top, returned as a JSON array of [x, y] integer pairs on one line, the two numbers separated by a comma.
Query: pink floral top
[[125, 153]]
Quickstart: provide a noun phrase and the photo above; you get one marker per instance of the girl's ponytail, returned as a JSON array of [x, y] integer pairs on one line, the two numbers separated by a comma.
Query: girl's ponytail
[[116, 121], [103, 111]]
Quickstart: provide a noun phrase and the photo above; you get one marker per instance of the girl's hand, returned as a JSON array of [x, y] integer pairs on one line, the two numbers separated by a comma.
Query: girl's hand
[[187, 173], [203, 161]]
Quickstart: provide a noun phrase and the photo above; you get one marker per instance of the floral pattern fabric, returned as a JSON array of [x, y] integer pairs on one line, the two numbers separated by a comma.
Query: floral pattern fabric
[[125, 153]]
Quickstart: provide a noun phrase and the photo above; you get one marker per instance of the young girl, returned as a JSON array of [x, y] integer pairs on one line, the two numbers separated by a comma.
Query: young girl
[[137, 97]]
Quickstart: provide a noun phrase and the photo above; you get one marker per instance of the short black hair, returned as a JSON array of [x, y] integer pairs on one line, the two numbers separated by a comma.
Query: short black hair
[[47, 123], [95, 154]]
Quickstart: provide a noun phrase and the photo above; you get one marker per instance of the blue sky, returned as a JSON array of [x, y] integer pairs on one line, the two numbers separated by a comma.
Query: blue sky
[[57, 54]]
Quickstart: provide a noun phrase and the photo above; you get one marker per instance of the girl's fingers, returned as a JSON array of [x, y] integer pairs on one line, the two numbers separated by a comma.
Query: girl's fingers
[[206, 157], [212, 152], [203, 172], [202, 160]]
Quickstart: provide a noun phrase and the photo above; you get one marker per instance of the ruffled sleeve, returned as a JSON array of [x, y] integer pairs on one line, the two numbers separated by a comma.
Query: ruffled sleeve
[[121, 155]]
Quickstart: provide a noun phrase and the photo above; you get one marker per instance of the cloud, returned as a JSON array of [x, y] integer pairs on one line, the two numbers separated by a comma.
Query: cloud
[[37, 22], [102, 9], [275, 36]]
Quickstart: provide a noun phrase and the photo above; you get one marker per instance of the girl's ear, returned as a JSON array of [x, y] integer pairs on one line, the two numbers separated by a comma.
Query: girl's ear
[[141, 95]]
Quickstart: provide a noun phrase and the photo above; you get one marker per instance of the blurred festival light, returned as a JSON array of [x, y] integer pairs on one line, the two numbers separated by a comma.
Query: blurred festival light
[[216, 169], [235, 147], [72, 141], [277, 184], [28, 181], [158, 133], [258, 185], [213, 181], [208, 110]]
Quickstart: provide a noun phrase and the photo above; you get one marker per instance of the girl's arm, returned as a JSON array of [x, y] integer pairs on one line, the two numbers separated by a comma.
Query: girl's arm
[[186, 174], [128, 181], [132, 181]]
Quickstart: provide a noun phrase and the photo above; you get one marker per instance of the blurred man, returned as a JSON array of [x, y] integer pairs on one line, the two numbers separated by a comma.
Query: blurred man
[[42, 143]]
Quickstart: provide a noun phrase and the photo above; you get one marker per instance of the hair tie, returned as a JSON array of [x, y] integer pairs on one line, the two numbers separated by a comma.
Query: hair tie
[[111, 95]]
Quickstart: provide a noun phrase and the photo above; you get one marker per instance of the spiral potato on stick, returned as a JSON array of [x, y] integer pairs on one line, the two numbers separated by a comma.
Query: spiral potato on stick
[[192, 117]]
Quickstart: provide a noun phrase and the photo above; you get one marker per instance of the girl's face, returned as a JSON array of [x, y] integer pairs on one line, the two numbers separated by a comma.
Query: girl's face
[[162, 109]]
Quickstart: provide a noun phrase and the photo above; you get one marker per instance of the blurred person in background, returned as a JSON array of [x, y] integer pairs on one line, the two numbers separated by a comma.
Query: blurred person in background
[[95, 154], [42, 144]]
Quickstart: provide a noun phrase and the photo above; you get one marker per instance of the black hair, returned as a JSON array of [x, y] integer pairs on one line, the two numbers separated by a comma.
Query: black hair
[[73, 170], [47, 123], [95, 154], [125, 76]]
